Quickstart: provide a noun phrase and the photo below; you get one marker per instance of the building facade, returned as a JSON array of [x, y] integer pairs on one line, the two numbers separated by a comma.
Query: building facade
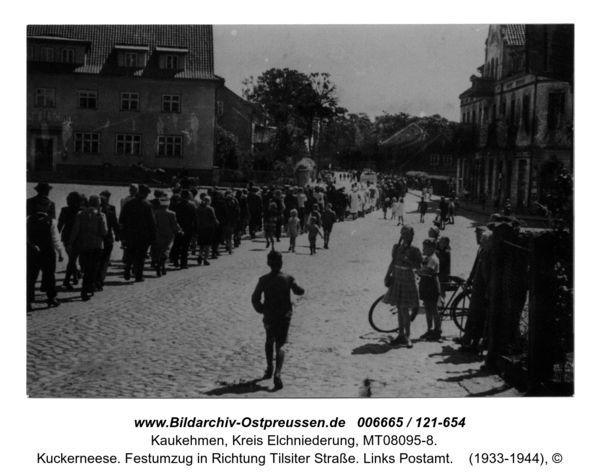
[[520, 122], [247, 121], [114, 96]]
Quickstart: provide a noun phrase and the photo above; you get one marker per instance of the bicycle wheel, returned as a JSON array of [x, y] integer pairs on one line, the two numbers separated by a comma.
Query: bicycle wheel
[[460, 308], [383, 317]]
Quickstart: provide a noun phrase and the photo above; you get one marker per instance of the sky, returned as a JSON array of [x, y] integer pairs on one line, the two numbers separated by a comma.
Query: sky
[[417, 69]]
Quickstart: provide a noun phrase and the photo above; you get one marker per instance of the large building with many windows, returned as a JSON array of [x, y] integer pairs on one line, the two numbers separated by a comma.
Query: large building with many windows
[[519, 111], [113, 96]]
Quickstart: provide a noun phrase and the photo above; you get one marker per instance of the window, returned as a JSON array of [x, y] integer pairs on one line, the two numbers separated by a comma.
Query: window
[[88, 99], [556, 108], [447, 160], [131, 60], [129, 144], [171, 103], [169, 146], [464, 117], [171, 61], [47, 54], [67, 55], [219, 107], [434, 159], [130, 101], [87, 142], [44, 97]]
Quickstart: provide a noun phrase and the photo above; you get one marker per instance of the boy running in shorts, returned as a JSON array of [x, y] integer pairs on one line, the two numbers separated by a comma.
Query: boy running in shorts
[[277, 312]]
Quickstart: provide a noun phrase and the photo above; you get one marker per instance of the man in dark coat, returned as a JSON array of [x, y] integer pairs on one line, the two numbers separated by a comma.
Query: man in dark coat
[[185, 211], [138, 227], [43, 190], [113, 234], [242, 198], [255, 208], [220, 207], [290, 202], [42, 247]]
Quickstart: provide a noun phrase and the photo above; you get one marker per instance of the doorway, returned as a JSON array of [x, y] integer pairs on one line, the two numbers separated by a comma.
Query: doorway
[[43, 154]]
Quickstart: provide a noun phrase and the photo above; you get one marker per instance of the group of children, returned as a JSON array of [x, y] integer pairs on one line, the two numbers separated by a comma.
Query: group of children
[[293, 227], [396, 206]]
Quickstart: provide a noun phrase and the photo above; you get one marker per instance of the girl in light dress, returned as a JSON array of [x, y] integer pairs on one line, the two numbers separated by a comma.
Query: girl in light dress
[[400, 212], [394, 208]]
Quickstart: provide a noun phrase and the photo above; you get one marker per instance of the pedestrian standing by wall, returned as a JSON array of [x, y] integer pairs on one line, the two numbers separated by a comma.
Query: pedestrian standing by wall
[[478, 280], [276, 309]]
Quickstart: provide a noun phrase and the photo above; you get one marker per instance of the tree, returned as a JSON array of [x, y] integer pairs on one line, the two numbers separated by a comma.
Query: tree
[[299, 105], [228, 154]]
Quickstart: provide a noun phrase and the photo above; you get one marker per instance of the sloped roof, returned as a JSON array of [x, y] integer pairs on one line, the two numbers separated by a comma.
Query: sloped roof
[[198, 39], [515, 35], [409, 134]]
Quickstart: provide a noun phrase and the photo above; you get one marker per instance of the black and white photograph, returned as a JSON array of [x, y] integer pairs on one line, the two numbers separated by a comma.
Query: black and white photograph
[[299, 210]]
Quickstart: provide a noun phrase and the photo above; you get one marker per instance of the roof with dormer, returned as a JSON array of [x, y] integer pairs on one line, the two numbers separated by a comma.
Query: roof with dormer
[[196, 39]]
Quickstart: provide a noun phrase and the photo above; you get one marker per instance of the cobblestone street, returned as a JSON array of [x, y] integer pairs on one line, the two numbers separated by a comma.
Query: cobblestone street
[[193, 333]]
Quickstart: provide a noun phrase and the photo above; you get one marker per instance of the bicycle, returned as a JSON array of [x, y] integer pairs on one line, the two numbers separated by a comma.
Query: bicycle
[[384, 318]]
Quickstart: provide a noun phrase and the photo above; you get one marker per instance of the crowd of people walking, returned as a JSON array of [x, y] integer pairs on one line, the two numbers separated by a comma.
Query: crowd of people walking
[[173, 226]]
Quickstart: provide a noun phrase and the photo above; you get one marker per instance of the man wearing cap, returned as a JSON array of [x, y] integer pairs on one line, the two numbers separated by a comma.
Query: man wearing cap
[[138, 227], [43, 190], [42, 247], [166, 230]]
